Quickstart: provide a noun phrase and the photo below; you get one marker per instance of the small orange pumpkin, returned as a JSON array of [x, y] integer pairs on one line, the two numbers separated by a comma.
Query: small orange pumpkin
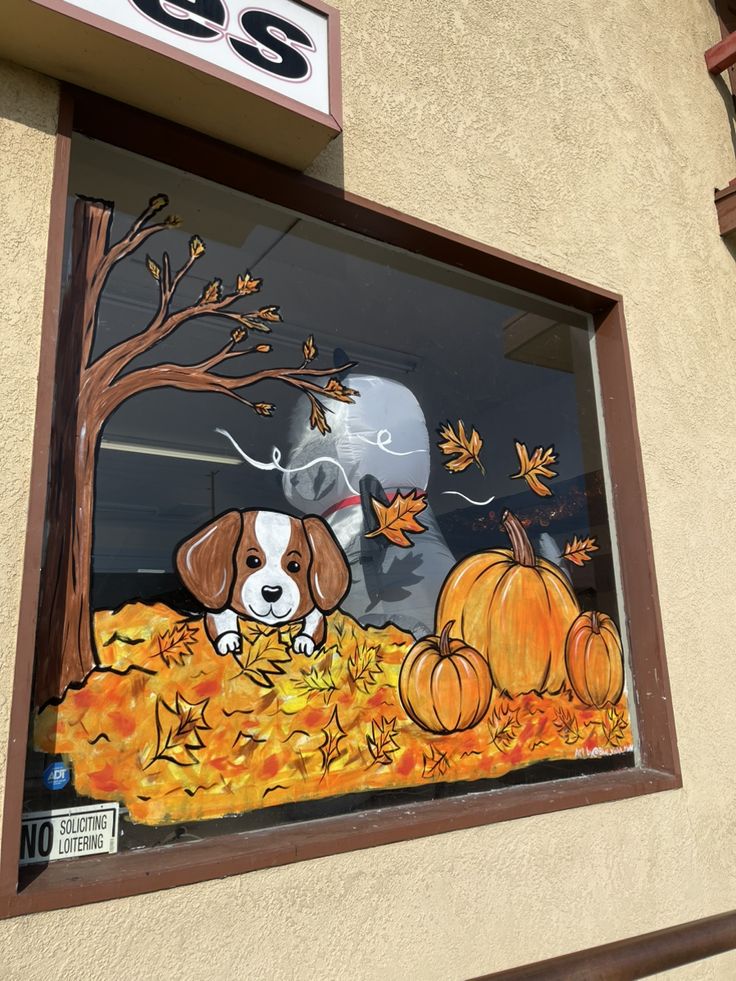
[[444, 685], [594, 659], [516, 609]]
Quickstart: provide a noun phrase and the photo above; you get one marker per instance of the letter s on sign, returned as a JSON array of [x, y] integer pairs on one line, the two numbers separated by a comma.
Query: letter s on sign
[[274, 45], [189, 17]]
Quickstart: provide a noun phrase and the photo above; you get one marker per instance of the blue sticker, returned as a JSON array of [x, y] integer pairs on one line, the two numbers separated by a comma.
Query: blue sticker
[[56, 775]]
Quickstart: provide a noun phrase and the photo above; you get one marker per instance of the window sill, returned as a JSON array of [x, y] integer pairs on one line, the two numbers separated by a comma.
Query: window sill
[[96, 879]]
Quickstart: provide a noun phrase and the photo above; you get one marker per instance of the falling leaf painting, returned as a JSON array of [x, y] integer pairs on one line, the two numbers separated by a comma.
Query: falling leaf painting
[[382, 741], [364, 668], [318, 416], [503, 726], [436, 763], [578, 550], [463, 449], [316, 681], [567, 726], [536, 466], [175, 644], [212, 292], [397, 520], [333, 734], [179, 730], [153, 268], [309, 349], [263, 658]]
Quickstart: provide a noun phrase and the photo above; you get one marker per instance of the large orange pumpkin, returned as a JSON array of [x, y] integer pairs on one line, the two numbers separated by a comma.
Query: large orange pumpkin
[[516, 609], [594, 659], [444, 685]]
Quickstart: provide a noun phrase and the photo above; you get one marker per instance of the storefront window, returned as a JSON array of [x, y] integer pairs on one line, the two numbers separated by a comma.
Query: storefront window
[[328, 525]]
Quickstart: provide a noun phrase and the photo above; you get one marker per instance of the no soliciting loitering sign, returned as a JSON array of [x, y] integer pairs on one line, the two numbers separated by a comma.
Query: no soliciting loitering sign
[[68, 833]]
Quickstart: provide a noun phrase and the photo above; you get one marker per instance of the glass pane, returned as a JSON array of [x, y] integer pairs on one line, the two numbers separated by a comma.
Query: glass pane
[[337, 536]]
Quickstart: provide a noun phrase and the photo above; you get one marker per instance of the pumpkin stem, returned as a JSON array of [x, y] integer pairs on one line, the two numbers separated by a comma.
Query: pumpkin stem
[[595, 625], [522, 547], [445, 650]]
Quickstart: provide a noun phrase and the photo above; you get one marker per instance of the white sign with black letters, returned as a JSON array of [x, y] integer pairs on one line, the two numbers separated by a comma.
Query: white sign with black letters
[[280, 44], [47, 836]]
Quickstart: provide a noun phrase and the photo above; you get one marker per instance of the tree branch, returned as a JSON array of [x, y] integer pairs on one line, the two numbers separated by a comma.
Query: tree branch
[[92, 224], [112, 362], [199, 378], [227, 353]]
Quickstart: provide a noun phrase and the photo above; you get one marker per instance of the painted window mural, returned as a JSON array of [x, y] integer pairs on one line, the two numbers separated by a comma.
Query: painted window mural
[[327, 523]]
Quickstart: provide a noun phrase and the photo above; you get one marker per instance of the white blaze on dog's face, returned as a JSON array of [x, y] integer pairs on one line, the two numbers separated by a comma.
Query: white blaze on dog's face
[[272, 565]]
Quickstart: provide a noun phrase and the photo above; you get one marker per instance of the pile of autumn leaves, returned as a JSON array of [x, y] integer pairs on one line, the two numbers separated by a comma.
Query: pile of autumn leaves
[[177, 733]]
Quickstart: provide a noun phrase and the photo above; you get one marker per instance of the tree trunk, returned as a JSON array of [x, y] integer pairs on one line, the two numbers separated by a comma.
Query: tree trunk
[[65, 639]]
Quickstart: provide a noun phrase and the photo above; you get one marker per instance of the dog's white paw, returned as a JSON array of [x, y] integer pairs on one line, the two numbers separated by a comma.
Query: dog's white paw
[[303, 644], [228, 643]]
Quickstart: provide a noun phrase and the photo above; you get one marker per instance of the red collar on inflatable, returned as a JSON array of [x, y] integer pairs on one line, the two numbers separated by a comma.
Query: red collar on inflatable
[[348, 502]]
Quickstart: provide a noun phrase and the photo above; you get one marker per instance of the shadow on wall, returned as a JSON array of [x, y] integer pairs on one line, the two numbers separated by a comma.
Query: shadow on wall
[[330, 164]]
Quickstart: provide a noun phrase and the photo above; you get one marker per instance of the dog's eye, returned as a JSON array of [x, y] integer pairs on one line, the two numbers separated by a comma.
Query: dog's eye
[[293, 567], [252, 561]]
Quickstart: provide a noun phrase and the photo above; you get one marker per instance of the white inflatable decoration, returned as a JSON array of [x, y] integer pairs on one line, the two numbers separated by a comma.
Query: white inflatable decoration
[[383, 435]]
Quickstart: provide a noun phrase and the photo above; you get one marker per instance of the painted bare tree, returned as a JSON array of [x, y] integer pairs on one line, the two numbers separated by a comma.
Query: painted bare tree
[[89, 390]]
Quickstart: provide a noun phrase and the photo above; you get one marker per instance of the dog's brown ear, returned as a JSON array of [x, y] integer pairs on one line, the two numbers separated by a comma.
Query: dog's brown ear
[[206, 561], [329, 572]]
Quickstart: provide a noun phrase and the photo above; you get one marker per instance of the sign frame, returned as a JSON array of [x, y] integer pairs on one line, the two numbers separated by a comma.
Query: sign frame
[[56, 816], [148, 74]]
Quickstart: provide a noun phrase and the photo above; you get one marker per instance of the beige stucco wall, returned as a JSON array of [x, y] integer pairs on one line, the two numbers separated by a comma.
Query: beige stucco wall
[[587, 137]]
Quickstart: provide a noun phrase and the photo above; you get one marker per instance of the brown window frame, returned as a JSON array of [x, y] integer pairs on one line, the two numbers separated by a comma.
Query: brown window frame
[[92, 879]]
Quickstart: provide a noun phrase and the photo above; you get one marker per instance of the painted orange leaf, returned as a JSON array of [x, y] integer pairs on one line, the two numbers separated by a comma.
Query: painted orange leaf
[[271, 313], [465, 449], [196, 247], [263, 658], [153, 268], [503, 727], [309, 349], [318, 416], [175, 644], [316, 680], [578, 550], [381, 740], [536, 466], [178, 729], [340, 392], [364, 668], [399, 518], [333, 734], [436, 764], [211, 292], [246, 284], [567, 726], [614, 726]]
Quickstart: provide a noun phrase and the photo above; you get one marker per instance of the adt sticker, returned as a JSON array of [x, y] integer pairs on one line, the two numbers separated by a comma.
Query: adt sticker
[[56, 776]]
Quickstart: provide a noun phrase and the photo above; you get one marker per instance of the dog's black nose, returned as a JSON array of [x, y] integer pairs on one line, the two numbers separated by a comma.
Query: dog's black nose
[[271, 593]]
